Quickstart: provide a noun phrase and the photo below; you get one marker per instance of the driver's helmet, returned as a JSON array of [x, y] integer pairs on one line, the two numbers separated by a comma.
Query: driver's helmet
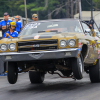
[[13, 24]]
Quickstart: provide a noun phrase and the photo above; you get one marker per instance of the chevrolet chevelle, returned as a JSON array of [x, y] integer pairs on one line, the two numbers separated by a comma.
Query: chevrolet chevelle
[[62, 47]]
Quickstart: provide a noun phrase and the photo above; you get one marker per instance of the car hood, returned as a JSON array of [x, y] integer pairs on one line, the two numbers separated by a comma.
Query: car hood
[[43, 36], [4, 40], [50, 36]]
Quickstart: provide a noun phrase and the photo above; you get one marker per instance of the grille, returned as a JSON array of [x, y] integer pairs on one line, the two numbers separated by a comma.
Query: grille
[[37, 45]]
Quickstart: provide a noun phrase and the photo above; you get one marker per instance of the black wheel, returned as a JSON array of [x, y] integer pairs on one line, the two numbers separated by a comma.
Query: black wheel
[[36, 77], [94, 72], [12, 72], [78, 67]]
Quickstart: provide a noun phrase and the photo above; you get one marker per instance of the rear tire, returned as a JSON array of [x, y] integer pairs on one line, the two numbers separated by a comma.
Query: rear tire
[[78, 67], [12, 72], [94, 72], [36, 77]]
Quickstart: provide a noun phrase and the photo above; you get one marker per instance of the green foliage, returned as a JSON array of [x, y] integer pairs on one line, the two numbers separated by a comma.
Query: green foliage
[[96, 4], [37, 9], [31, 5], [85, 5], [45, 8]]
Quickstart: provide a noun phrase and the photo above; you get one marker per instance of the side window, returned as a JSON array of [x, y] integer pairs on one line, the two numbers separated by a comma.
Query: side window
[[86, 29]]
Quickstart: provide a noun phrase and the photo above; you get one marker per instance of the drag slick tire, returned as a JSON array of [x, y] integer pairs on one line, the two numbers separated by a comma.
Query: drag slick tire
[[78, 67], [94, 72], [36, 76], [12, 72]]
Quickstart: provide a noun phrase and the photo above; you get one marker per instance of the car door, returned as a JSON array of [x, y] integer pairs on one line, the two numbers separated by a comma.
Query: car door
[[92, 46], [97, 38]]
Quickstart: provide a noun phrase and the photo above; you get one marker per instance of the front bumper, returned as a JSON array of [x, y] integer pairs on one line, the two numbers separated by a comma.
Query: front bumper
[[40, 55]]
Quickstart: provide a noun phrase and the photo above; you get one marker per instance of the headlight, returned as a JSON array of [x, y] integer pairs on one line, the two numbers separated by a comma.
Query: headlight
[[63, 43], [71, 42], [3, 47], [12, 46]]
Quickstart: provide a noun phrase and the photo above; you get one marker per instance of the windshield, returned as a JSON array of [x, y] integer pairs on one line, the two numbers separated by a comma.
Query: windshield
[[97, 32], [54, 26]]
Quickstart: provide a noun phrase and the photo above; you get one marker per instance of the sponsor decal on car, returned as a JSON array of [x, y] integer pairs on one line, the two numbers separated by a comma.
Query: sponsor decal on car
[[36, 37], [99, 56], [95, 62], [92, 56], [98, 51]]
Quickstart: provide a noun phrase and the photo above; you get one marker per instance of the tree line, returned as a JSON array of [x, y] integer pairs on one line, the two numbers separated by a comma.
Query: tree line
[[46, 9]]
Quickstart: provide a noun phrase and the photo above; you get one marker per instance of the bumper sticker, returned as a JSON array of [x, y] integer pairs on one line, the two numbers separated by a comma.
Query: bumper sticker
[[36, 37]]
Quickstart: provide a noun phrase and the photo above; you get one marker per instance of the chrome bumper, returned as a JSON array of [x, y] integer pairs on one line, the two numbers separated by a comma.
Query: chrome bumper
[[40, 55]]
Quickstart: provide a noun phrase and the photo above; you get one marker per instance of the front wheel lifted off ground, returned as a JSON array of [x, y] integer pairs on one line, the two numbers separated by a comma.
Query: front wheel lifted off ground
[[12, 72], [94, 72], [78, 67], [36, 77]]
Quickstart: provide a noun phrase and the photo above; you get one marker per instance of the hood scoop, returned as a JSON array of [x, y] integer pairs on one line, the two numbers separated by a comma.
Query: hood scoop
[[39, 36]]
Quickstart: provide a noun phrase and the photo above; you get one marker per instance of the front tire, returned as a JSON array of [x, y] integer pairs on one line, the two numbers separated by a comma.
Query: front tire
[[12, 72], [78, 67], [94, 72], [36, 77]]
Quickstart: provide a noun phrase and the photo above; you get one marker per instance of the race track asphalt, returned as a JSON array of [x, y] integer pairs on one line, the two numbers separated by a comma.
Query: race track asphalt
[[53, 88]]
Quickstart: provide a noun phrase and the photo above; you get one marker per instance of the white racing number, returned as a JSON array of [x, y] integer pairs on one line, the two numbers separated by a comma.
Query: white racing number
[[35, 25], [31, 26]]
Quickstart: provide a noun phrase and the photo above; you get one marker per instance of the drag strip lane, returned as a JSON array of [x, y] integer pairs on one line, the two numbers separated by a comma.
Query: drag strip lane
[[53, 88]]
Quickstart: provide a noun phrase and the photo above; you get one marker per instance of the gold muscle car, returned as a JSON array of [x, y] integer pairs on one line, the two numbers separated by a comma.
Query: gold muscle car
[[53, 46]]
